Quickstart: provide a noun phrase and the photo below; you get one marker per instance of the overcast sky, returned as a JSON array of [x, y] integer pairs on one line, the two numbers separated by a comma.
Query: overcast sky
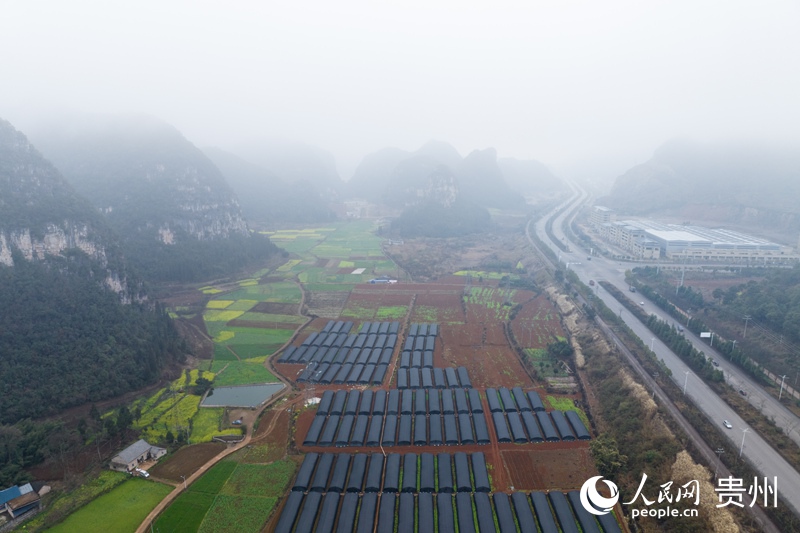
[[561, 81]]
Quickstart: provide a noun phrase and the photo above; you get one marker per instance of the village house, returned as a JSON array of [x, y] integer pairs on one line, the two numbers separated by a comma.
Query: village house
[[135, 454]]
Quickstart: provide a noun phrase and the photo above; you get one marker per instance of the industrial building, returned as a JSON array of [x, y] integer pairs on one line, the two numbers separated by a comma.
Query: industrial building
[[648, 239]]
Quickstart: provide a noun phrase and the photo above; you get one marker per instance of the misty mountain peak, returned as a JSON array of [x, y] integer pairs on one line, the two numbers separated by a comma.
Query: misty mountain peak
[[147, 177], [441, 151]]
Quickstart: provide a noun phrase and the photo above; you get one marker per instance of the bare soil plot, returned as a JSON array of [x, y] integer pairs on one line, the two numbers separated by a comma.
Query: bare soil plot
[[440, 304], [556, 466], [489, 366], [273, 308], [537, 323], [328, 304], [186, 461]]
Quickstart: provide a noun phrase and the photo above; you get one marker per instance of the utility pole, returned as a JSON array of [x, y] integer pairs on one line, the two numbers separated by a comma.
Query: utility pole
[[652, 340], [781, 393], [686, 381], [746, 319]]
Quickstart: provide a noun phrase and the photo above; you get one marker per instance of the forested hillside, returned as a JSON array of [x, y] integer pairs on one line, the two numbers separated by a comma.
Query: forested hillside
[[76, 325], [177, 218], [432, 219], [65, 340]]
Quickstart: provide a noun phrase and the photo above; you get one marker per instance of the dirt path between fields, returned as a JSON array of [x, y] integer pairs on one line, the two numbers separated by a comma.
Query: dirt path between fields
[[145, 526]]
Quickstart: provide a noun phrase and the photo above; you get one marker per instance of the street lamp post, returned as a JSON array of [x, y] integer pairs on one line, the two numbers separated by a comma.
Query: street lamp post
[[783, 377], [686, 381], [744, 434], [652, 340]]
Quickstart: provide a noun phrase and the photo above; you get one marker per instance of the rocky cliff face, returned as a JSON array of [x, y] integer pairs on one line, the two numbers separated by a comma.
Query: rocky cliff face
[[146, 177], [442, 188], [42, 217]]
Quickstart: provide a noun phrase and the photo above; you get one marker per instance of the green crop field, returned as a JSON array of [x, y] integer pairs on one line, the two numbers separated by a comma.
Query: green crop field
[[240, 305], [241, 373], [247, 352], [222, 353], [221, 315], [391, 312], [566, 404], [493, 299], [237, 513], [122, 509], [186, 513], [205, 425], [260, 480], [74, 499], [268, 318], [212, 481], [231, 496]]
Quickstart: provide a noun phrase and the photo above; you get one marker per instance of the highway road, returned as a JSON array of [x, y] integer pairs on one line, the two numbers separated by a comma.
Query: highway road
[[760, 454]]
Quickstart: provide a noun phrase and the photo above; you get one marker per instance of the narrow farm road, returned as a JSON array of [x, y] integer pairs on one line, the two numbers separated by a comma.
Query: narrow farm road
[[144, 527]]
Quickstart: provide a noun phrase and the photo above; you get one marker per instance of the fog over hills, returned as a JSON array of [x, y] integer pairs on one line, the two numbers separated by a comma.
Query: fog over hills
[[294, 162], [43, 217], [145, 175], [265, 198], [396, 176], [726, 183], [177, 216]]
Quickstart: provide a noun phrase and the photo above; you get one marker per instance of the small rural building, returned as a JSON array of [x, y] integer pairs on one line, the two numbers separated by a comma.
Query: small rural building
[[135, 454], [18, 500], [22, 504]]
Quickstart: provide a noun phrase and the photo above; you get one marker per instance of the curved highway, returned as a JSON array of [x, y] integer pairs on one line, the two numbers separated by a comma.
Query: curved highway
[[758, 452]]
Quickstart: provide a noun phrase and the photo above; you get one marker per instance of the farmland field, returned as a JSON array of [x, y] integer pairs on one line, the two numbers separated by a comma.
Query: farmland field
[[241, 373], [186, 460], [237, 513], [186, 513], [477, 319], [232, 496], [122, 509], [259, 480], [103, 482], [213, 480]]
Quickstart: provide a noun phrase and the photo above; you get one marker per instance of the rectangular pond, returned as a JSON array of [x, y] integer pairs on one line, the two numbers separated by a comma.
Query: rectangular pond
[[242, 396]]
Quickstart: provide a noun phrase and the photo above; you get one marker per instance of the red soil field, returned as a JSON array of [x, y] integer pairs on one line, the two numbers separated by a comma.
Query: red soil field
[[549, 466], [186, 461], [537, 324]]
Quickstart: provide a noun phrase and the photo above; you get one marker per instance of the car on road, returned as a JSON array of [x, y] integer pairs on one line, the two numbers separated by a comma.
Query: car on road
[[714, 362], [641, 303], [727, 424], [742, 392]]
